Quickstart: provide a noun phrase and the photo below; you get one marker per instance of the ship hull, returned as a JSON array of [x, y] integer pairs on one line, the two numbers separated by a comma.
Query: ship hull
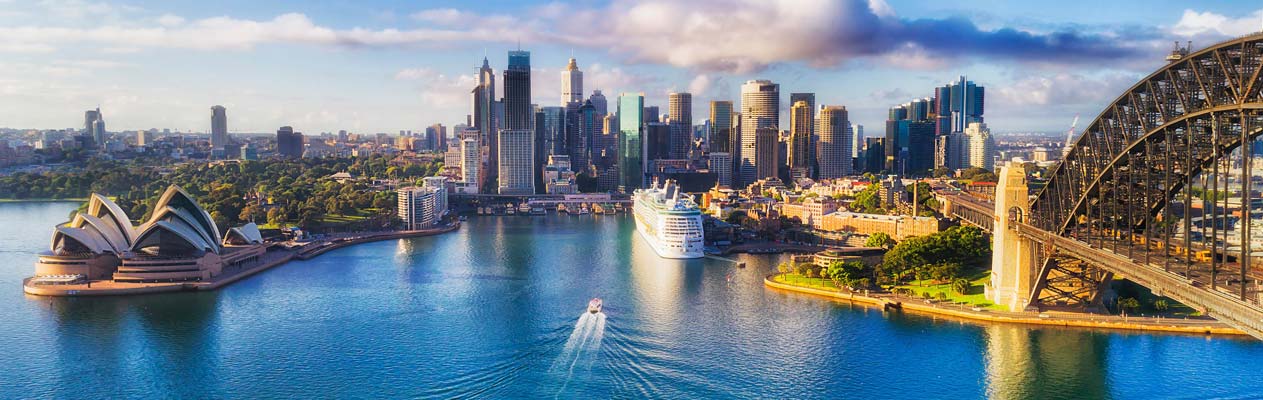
[[664, 251]]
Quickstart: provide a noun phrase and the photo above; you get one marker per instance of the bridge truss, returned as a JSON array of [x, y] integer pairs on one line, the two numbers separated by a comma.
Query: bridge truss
[[1164, 176]]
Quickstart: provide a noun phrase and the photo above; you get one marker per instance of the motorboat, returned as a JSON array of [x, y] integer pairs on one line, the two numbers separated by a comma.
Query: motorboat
[[594, 306]]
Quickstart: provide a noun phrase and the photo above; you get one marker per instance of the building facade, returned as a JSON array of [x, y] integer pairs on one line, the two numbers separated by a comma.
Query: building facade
[[631, 151], [834, 157], [516, 162], [219, 127], [760, 109]]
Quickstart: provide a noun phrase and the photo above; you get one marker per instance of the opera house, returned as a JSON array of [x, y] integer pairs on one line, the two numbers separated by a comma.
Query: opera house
[[179, 243]]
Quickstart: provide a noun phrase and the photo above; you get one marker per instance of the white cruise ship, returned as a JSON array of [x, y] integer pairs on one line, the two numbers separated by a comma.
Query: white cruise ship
[[669, 220]]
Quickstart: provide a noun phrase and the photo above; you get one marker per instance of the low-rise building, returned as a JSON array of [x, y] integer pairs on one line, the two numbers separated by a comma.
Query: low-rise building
[[897, 227]]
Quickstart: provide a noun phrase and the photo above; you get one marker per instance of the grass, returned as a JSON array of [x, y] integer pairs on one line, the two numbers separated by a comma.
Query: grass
[[800, 280], [974, 297]]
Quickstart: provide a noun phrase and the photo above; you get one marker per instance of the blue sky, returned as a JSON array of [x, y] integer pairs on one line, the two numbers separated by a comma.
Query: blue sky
[[383, 66]]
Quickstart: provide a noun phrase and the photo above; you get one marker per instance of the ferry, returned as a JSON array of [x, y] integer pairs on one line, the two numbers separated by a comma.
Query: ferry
[[524, 208], [594, 306], [669, 220]]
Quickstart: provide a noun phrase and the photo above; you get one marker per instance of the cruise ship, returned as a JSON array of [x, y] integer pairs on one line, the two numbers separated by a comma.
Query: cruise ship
[[669, 220]]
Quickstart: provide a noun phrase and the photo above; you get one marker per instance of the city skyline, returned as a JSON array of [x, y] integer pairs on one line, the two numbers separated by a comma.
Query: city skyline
[[388, 66]]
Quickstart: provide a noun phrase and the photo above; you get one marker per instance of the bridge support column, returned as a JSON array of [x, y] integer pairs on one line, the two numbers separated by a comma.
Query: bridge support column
[[1013, 269]]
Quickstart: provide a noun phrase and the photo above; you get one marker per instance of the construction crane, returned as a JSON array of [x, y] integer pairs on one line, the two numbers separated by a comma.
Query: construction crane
[[1070, 137]]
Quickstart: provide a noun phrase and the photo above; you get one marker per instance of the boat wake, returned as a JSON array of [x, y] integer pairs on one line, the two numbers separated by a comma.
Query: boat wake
[[582, 347]]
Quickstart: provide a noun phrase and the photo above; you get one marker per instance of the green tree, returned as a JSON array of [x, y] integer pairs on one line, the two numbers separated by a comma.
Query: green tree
[[961, 286], [878, 239], [1160, 305], [1128, 304]]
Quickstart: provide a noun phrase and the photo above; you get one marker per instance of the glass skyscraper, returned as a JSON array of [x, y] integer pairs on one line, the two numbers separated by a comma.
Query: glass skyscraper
[[631, 109]]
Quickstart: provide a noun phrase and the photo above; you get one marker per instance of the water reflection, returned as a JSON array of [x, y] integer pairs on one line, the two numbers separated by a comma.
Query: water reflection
[[1045, 363]]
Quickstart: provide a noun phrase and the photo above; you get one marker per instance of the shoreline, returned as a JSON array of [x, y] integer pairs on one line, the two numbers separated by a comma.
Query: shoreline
[[271, 259], [1138, 324]]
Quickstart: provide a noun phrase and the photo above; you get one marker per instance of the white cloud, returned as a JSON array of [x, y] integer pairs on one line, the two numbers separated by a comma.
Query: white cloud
[[1193, 23], [170, 20]]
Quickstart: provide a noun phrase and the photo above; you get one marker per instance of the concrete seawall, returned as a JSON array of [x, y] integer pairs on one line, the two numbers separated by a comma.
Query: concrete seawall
[[1134, 324]]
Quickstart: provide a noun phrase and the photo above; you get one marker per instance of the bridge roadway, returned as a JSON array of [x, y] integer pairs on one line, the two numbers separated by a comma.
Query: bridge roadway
[[1223, 306], [1191, 291]]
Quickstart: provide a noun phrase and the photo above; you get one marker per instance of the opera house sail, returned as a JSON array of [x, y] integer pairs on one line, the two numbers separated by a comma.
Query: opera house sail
[[179, 242]]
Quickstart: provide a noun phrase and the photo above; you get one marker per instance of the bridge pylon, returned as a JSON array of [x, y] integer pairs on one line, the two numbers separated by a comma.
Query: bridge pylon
[[1013, 269]]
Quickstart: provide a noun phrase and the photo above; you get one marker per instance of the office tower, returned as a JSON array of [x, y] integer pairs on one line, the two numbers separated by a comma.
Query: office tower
[[631, 109], [582, 138], [835, 147], [874, 155], [760, 108], [801, 145], [599, 102], [679, 140], [857, 138], [766, 157], [219, 127], [721, 164], [571, 84], [964, 102], [143, 138], [439, 141], [680, 108], [605, 148], [484, 96], [470, 161], [657, 138], [981, 146], [516, 161], [942, 110], [651, 114], [94, 127], [720, 139], [554, 130], [517, 91], [289, 144]]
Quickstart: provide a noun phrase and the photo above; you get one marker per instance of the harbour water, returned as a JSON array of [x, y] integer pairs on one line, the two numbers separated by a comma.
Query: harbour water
[[498, 310]]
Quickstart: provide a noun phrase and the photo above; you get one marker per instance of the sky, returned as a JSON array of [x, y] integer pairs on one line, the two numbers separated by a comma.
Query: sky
[[383, 66]]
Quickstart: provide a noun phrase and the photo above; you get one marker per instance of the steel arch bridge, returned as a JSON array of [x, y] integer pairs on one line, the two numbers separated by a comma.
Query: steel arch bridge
[[1163, 178]]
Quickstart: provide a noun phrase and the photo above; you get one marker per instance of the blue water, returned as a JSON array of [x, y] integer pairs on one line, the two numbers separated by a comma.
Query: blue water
[[489, 311]]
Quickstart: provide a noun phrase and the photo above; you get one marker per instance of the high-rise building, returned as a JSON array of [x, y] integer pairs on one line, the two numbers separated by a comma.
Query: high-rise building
[[571, 84], [484, 95], [874, 155], [760, 108], [651, 114], [857, 138], [219, 127], [766, 155], [289, 144], [721, 164], [144, 138], [835, 147], [470, 161], [720, 139], [657, 139], [599, 102], [964, 102], [981, 146], [585, 133], [517, 91], [517, 161], [94, 127], [631, 109], [680, 108], [679, 139], [554, 129], [439, 141], [801, 154], [419, 207]]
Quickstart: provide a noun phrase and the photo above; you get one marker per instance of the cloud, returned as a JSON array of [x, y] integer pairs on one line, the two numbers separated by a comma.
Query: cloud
[[738, 36], [1193, 23], [1061, 89], [437, 89]]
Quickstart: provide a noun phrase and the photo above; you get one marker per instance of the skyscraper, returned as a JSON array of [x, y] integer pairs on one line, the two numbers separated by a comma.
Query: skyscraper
[[981, 146], [721, 165], [219, 127], [657, 139], [631, 108], [760, 108], [680, 108], [651, 114], [554, 129], [766, 155], [581, 142], [289, 144], [484, 95], [94, 127], [517, 160], [599, 102], [571, 83], [857, 138], [965, 103], [801, 143], [518, 127], [470, 161], [835, 144], [721, 127]]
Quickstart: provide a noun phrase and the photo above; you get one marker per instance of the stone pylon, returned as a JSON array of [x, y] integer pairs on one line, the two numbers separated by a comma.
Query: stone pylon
[[1013, 270]]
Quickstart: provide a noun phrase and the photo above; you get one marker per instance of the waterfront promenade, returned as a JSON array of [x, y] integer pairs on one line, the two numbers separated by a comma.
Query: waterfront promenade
[[277, 254], [1205, 326]]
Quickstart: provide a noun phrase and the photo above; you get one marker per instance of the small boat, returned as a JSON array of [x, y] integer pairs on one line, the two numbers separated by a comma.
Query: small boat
[[594, 306], [584, 211]]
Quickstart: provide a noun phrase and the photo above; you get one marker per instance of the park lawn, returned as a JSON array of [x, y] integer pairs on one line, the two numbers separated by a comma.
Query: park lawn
[[341, 218], [975, 297], [800, 280]]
